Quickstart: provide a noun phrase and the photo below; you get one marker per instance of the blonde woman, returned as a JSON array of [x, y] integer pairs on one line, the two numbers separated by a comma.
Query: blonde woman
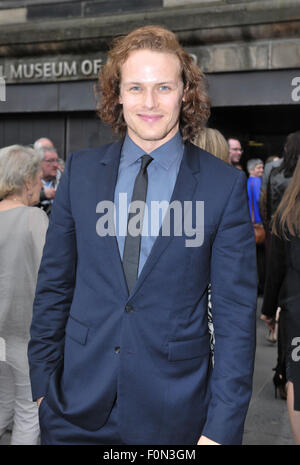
[[22, 234], [213, 142]]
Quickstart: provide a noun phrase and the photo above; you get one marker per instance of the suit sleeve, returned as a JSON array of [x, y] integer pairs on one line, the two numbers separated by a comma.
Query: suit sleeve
[[234, 294], [54, 292]]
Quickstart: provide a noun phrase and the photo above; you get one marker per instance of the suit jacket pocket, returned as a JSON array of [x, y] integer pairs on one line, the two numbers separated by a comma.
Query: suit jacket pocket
[[77, 330], [187, 350]]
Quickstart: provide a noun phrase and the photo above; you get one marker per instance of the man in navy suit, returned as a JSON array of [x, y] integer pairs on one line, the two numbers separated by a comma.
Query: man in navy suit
[[119, 350]]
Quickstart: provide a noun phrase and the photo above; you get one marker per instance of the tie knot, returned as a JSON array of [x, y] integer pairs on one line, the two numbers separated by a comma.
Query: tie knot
[[146, 160]]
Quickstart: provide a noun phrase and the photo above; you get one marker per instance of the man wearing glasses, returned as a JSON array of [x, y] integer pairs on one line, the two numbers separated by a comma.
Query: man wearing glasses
[[49, 164], [235, 152]]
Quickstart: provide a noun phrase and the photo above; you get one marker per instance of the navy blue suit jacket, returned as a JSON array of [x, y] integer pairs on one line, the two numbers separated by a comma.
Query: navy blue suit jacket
[[167, 392]]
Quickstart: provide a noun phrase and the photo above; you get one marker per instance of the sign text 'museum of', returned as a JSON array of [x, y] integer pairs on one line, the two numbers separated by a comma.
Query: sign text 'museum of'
[[50, 70]]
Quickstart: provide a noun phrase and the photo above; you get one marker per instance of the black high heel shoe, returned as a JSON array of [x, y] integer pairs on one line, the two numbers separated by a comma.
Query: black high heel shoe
[[279, 383]]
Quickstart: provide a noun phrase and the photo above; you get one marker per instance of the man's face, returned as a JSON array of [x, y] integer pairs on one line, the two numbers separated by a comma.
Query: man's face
[[235, 151], [50, 164], [151, 92]]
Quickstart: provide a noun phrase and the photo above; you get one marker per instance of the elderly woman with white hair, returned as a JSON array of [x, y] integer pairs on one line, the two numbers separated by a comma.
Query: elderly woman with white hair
[[22, 235]]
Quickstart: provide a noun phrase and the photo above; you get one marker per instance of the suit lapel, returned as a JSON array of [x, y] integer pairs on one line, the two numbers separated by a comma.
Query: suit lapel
[[183, 191], [106, 182]]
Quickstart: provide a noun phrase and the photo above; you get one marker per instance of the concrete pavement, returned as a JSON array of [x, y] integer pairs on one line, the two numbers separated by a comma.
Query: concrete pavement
[[267, 422]]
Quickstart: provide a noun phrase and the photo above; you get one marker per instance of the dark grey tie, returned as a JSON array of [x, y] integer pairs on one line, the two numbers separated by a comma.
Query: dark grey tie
[[131, 254]]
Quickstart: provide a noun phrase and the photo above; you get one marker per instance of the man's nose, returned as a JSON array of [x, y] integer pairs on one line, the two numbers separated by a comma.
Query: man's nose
[[150, 99]]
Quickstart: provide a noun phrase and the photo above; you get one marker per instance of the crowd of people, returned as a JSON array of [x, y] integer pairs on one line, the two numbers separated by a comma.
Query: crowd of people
[[29, 178]]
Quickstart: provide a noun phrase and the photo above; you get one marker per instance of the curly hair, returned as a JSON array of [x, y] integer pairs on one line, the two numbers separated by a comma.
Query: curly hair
[[195, 109]]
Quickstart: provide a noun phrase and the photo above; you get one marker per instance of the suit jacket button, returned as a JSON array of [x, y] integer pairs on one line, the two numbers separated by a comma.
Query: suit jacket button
[[117, 350], [129, 308]]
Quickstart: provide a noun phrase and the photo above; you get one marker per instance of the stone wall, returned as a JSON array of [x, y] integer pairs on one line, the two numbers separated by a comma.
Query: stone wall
[[227, 35], [52, 9]]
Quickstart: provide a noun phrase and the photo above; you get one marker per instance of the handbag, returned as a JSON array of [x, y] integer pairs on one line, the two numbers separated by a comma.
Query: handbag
[[259, 230], [259, 233]]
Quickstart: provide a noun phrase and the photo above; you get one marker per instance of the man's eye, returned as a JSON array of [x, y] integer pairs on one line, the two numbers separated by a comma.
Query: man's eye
[[135, 89], [164, 88]]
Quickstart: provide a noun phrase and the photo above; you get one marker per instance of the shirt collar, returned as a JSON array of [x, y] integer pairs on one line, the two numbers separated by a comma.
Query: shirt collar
[[165, 155], [49, 182]]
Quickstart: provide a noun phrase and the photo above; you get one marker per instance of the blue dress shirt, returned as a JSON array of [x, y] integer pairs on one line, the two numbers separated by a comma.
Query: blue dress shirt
[[253, 187], [162, 175]]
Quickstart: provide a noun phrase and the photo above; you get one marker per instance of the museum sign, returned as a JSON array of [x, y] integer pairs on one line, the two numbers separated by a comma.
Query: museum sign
[[51, 69]]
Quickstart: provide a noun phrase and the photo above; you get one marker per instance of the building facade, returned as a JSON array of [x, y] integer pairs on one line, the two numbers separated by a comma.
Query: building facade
[[51, 51]]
